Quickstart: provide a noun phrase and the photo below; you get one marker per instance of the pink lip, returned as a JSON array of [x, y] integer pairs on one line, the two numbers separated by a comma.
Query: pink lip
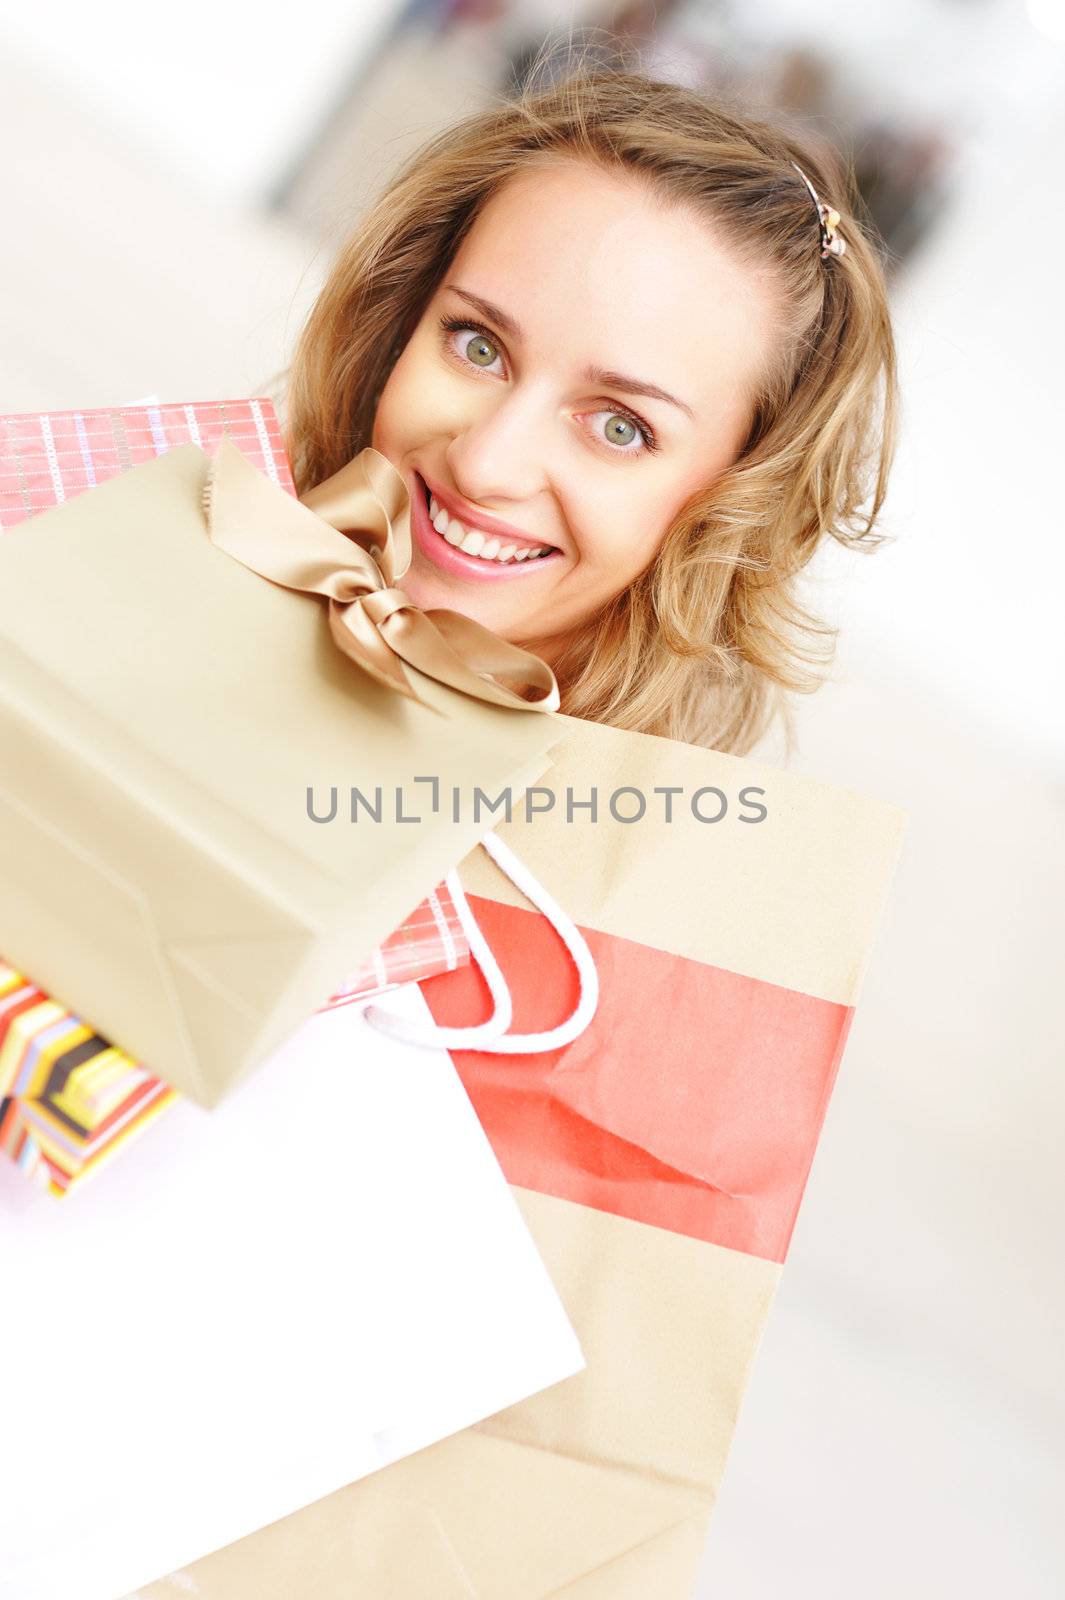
[[455, 506], [449, 559]]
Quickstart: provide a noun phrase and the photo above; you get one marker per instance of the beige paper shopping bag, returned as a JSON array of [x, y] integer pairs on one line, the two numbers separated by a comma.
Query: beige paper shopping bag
[[165, 714], [659, 1161]]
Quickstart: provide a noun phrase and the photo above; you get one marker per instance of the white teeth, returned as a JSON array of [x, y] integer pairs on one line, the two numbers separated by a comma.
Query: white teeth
[[475, 543]]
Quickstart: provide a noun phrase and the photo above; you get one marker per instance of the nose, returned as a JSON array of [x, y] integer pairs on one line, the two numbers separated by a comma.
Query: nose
[[501, 453]]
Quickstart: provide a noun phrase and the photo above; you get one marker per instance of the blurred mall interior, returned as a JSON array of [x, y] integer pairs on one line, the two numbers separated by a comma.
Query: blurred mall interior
[[176, 180]]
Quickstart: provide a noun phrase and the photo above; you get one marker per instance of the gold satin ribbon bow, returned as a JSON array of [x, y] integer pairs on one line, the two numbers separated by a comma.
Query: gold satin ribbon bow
[[299, 544]]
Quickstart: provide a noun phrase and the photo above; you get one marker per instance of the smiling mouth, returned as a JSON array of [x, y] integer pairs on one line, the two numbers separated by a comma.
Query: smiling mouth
[[472, 542]]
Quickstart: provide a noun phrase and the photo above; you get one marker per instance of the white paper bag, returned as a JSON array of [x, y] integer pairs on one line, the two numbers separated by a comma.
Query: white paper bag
[[255, 1306]]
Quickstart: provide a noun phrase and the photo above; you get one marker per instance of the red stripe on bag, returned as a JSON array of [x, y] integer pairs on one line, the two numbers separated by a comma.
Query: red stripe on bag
[[692, 1102]]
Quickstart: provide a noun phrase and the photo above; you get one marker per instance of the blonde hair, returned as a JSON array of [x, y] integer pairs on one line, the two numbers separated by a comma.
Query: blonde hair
[[705, 644]]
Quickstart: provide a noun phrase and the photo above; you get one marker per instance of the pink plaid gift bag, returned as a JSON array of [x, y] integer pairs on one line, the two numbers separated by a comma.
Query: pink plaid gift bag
[[49, 457]]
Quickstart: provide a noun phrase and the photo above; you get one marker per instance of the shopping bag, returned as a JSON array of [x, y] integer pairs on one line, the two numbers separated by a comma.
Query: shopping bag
[[659, 1160], [162, 866], [48, 457], [70, 1100], [429, 941], [256, 1305], [63, 1124]]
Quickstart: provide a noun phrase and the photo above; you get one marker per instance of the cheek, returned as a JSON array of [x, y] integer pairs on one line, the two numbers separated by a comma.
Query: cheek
[[621, 528], [415, 403], [389, 434]]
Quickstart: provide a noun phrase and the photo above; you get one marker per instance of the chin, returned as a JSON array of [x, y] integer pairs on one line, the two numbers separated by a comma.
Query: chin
[[433, 593]]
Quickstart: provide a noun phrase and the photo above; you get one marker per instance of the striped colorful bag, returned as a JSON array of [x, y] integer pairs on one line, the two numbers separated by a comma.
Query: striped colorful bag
[[659, 1161]]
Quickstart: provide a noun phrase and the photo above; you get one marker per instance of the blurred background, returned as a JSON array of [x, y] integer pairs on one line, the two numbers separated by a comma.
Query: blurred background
[[175, 182]]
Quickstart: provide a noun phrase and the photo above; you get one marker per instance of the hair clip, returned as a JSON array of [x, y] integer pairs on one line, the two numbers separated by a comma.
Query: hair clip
[[828, 221]]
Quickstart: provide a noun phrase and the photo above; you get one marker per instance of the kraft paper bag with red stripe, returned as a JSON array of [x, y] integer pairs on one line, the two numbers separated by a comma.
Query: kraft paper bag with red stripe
[[659, 1160]]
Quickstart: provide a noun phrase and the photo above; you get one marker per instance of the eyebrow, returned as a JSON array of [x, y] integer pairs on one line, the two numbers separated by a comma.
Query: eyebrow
[[604, 375]]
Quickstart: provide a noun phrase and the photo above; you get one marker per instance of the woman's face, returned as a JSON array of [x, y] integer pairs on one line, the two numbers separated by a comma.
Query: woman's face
[[597, 368]]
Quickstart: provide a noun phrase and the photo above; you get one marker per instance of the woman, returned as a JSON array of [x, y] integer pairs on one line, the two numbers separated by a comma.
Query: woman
[[633, 370]]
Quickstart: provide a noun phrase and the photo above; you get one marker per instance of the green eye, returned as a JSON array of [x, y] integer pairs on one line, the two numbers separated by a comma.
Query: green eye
[[619, 429], [481, 351]]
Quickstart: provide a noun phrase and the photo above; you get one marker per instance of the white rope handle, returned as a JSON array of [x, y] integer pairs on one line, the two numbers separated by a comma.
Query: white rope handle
[[492, 1035], [481, 952]]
